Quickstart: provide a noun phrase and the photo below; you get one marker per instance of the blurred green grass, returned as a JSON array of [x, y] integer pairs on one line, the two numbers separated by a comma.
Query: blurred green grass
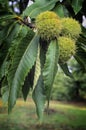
[[61, 116]]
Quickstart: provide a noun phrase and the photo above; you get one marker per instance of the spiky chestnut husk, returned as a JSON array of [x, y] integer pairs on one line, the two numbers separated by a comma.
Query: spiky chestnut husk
[[71, 28], [48, 25], [67, 48]]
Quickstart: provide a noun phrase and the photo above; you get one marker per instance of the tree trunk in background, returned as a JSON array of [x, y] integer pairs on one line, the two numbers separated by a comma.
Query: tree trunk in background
[[77, 94], [22, 5]]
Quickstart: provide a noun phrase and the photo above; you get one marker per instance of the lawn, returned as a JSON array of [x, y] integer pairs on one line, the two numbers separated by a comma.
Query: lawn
[[61, 116]]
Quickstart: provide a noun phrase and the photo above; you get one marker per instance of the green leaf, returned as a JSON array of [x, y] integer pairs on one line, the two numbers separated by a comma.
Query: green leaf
[[80, 61], [50, 67], [4, 90], [6, 30], [5, 93], [4, 6], [6, 44], [4, 68], [80, 55], [37, 68], [83, 32], [8, 50], [38, 7], [66, 69], [11, 28], [43, 50], [28, 84], [84, 48], [22, 64], [26, 88], [39, 97], [77, 5], [22, 32], [61, 10], [7, 17]]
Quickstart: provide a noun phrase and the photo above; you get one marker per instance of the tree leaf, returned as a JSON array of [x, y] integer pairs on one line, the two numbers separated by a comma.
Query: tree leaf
[[66, 69], [80, 61], [5, 93], [14, 32], [7, 17], [28, 83], [43, 49], [22, 64], [50, 67], [4, 6], [39, 97], [80, 55], [38, 7], [84, 48], [37, 68], [4, 68], [77, 5], [61, 10], [7, 42], [4, 32]]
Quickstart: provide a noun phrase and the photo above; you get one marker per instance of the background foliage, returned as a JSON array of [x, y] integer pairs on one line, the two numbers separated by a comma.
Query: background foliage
[[70, 89]]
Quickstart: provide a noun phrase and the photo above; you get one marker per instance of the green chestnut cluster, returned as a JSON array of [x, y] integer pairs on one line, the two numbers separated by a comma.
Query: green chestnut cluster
[[48, 25], [67, 48], [71, 28], [65, 30], [67, 41]]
